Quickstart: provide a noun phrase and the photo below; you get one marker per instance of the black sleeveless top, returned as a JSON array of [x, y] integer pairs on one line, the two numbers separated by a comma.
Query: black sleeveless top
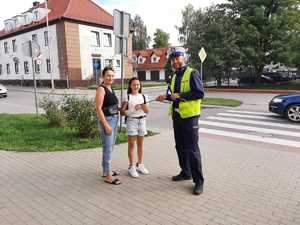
[[110, 102]]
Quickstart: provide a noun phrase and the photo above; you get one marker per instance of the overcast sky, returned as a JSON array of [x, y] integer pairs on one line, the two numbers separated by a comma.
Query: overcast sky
[[163, 14]]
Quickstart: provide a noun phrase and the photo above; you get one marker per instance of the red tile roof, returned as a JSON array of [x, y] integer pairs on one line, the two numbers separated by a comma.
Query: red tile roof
[[80, 10], [147, 53]]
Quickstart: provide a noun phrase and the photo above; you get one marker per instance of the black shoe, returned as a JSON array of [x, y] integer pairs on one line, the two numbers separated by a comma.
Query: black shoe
[[179, 177], [198, 189]]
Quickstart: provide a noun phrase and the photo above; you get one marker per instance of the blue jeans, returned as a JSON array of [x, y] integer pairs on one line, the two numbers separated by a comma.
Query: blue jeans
[[108, 141]]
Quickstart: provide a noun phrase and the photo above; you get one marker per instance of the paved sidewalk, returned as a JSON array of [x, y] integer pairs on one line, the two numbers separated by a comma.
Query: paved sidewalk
[[243, 186]]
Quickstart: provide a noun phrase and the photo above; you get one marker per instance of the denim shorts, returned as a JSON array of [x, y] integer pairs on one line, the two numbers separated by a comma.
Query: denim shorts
[[136, 127]]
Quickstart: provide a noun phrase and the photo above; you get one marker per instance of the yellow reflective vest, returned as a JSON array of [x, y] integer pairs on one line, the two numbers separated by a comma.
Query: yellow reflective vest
[[187, 108]]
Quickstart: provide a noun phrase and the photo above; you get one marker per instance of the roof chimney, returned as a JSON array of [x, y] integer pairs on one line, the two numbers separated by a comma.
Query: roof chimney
[[36, 4]]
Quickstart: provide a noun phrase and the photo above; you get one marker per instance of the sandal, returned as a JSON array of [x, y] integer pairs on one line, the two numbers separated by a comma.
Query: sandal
[[114, 181], [114, 173]]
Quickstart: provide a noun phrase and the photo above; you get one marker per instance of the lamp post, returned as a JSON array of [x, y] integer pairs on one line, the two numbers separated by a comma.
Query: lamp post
[[49, 46]]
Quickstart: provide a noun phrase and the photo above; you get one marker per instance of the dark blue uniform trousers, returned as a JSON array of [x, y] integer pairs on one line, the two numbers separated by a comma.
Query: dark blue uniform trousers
[[186, 143]]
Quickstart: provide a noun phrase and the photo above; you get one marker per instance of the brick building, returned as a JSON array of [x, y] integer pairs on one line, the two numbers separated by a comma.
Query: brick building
[[80, 40], [150, 64]]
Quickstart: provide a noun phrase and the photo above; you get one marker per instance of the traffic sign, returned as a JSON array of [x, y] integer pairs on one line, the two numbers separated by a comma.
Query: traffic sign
[[36, 49], [39, 61], [202, 54], [121, 23]]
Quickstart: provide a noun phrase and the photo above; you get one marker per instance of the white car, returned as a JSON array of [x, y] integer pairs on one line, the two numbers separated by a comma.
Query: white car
[[3, 91]]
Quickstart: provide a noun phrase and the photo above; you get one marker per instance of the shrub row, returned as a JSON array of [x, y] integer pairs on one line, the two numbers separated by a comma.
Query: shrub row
[[77, 113]]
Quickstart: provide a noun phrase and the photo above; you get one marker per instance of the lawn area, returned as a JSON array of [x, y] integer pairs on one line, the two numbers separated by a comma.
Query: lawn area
[[222, 102], [28, 133]]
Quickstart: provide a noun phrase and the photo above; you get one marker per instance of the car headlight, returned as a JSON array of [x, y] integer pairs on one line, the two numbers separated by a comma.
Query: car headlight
[[277, 100]]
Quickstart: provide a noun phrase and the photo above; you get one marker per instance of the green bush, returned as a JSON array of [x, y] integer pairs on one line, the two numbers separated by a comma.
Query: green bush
[[81, 115], [53, 113]]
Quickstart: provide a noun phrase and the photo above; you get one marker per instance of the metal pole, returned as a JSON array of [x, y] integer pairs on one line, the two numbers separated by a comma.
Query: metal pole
[[201, 71], [68, 85], [122, 62], [34, 80], [49, 47]]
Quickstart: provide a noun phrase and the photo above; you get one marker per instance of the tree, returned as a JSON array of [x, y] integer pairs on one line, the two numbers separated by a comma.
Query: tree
[[213, 30], [140, 38], [161, 39], [187, 20], [265, 30]]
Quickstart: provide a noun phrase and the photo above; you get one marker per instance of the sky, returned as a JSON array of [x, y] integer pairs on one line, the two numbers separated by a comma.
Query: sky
[[163, 14]]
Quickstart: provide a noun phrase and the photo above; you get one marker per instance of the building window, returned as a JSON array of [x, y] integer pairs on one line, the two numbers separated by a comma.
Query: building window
[[34, 37], [154, 59], [36, 15], [108, 40], [46, 38], [16, 67], [14, 45], [0, 69], [134, 59], [96, 38], [140, 60], [26, 67], [48, 65], [118, 63], [37, 68], [108, 62], [7, 68], [5, 48]]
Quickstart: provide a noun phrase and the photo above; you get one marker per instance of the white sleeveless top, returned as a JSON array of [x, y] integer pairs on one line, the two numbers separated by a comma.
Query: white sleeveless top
[[133, 101]]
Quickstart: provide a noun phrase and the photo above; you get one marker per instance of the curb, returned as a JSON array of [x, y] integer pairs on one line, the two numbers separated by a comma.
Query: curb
[[263, 91]]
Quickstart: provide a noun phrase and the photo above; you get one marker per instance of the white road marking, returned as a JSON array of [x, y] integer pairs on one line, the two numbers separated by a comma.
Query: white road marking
[[250, 128], [254, 113], [254, 122], [251, 137], [245, 116]]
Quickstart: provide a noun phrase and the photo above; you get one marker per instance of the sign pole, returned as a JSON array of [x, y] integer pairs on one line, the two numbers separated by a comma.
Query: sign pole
[[49, 47], [34, 80], [121, 32], [202, 55], [122, 63]]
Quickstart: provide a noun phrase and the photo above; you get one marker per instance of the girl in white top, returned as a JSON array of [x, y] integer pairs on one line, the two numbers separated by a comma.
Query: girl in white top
[[135, 109]]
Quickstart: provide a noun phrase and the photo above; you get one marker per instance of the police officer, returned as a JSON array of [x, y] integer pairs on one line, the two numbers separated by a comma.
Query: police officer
[[186, 94]]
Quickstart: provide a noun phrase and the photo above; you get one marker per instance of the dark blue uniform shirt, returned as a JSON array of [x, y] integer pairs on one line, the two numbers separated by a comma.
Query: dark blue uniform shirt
[[196, 92]]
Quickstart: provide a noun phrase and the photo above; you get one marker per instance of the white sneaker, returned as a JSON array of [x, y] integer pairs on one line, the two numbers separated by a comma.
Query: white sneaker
[[132, 171], [142, 169]]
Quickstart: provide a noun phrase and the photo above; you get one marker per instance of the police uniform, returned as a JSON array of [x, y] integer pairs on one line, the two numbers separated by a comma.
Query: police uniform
[[185, 114]]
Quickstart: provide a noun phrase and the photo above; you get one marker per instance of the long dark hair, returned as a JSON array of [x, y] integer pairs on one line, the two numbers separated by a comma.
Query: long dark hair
[[129, 91], [107, 68]]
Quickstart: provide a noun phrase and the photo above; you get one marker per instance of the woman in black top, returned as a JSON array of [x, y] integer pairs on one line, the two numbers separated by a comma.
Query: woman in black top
[[107, 112]]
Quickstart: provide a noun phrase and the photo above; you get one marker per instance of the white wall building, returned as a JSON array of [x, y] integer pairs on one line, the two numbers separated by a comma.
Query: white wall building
[[80, 40]]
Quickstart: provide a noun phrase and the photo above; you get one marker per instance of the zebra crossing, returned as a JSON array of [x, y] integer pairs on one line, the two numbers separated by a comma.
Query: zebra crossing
[[261, 127]]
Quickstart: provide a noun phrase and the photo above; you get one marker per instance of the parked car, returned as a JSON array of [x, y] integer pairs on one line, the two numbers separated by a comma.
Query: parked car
[[274, 77], [286, 105], [3, 91]]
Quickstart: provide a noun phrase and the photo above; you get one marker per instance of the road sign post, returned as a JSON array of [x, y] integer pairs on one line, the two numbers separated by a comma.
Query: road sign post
[[121, 32], [202, 55], [35, 54]]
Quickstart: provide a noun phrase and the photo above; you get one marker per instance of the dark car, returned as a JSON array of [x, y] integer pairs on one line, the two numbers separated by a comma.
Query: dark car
[[274, 77], [286, 105]]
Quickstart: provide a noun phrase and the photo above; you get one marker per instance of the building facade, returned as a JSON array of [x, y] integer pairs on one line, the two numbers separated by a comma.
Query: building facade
[[74, 49], [149, 64]]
